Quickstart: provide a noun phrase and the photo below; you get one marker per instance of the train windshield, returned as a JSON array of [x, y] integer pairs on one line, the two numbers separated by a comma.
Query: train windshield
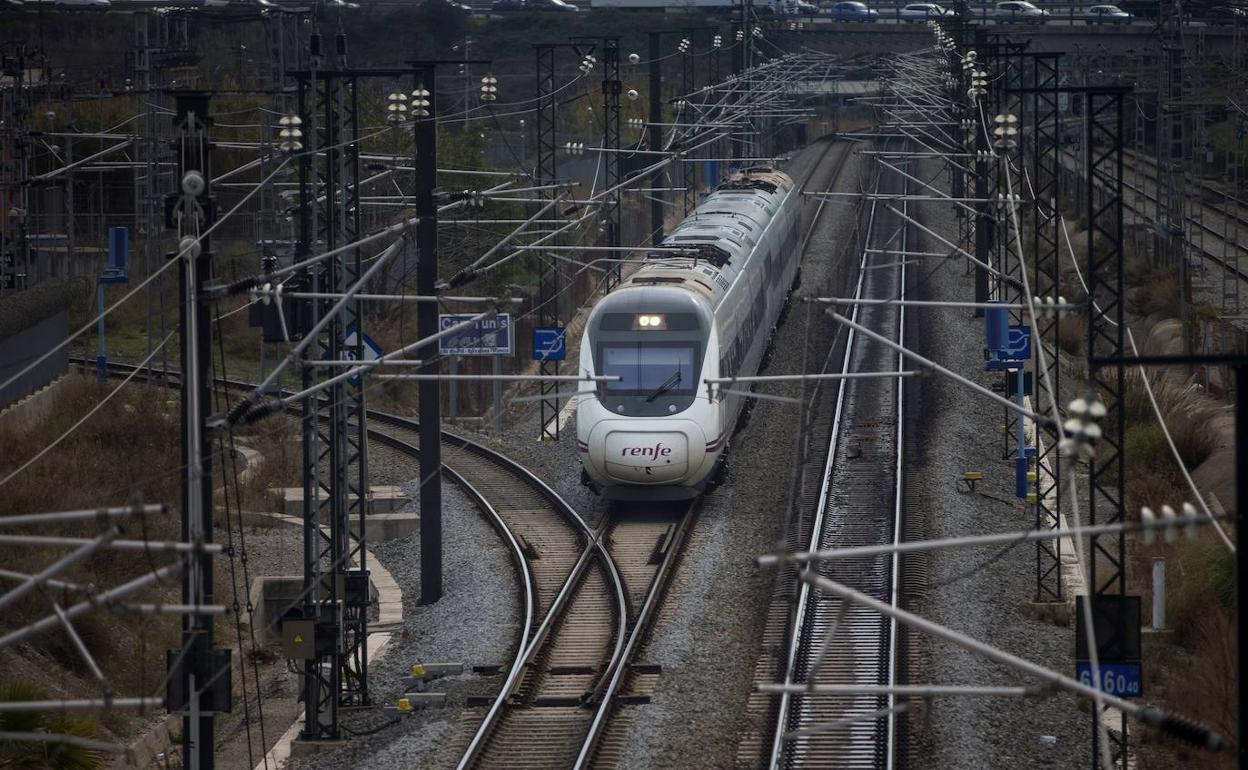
[[650, 370]]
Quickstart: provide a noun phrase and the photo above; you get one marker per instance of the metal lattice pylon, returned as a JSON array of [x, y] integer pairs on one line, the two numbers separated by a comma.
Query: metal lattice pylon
[[1047, 246], [613, 162], [1108, 565], [548, 279], [1010, 157], [688, 177], [15, 156], [335, 450]]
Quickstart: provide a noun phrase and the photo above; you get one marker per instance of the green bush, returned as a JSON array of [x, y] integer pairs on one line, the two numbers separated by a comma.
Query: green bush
[[1205, 570], [1146, 445], [39, 754]]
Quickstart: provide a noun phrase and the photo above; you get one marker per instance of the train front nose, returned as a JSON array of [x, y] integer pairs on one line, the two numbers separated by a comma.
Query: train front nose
[[642, 457], [631, 454]]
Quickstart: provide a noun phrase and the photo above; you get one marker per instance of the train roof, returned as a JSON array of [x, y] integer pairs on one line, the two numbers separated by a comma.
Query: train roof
[[726, 225]]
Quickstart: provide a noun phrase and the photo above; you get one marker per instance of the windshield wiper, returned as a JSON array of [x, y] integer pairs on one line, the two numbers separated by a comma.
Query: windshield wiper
[[667, 385]]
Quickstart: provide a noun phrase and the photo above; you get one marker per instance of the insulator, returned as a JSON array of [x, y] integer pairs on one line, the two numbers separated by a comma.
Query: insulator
[[1149, 520]]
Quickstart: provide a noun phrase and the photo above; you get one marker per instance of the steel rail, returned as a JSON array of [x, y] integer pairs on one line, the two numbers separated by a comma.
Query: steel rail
[[523, 566], [799, 615], [608, 687], [898, 497], [814, 619], [1240, 219], [594, 547]]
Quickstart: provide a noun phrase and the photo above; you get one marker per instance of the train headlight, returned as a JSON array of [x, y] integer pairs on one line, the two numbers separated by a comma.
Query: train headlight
[[651, 321]]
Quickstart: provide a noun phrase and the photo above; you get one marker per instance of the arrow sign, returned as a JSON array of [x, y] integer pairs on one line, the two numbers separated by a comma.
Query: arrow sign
[[1017, 344], [548, 343], [371, 350]]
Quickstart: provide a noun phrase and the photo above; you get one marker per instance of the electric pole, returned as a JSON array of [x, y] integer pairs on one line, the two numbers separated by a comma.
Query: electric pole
[[430, 407], [199, 676]]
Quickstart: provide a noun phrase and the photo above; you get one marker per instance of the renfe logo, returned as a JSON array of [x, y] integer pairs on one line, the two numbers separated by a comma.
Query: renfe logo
[[654, 452]]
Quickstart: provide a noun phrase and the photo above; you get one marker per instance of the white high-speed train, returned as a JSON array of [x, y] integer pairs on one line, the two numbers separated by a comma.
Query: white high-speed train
[[656, 434]]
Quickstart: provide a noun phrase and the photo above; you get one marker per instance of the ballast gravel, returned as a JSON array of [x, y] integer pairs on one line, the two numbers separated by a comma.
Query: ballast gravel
[[982, 592], [707, 632], [476, 623]]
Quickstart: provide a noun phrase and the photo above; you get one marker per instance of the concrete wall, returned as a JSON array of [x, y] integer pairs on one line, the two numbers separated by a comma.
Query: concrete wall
[[19, 350]]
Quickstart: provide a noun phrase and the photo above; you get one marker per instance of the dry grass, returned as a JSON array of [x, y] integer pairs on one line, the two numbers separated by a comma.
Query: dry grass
[[1187, 414], [1072, 333], [1158, 293], [1187, 671], [127, 452], [281, 457]]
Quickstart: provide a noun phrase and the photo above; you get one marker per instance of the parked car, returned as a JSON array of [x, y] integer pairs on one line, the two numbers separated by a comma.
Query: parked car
[[922, 12], [1019, 11], [1107, 14], [851, 10], [508, 5], [1140, 9], [98, 5], [1221, 14], [796, 8], [549, 5]]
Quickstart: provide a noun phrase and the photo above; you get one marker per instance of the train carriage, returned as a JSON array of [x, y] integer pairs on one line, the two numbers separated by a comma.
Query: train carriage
[[659, 432]]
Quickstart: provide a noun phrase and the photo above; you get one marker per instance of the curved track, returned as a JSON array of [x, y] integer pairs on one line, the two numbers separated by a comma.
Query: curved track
[[557, 714], [590, 599], [551, 544]]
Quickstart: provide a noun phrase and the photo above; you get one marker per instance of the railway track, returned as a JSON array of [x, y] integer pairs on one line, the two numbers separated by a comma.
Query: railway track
[[550, 543], [591, 596], [854, 500], [560, 709], [568, 711], [1141, 180]]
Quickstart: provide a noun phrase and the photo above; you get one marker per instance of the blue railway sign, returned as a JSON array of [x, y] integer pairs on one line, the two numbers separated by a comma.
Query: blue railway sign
[[1120, 679], [1116, 620], [371, 350], [489, 336], [1017, 344], [548, 343]]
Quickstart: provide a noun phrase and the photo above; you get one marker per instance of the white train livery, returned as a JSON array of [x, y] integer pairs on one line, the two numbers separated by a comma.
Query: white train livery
[[656, 434]]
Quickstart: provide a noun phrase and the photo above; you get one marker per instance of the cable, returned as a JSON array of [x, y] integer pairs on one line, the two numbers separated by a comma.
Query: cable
[[1148, 388], [224, 398]]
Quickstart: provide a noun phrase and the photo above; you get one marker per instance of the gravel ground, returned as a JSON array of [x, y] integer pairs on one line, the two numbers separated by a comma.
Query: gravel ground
[[989, 602], [475, 623], [707, 634], [271, 551], [708, 630]]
